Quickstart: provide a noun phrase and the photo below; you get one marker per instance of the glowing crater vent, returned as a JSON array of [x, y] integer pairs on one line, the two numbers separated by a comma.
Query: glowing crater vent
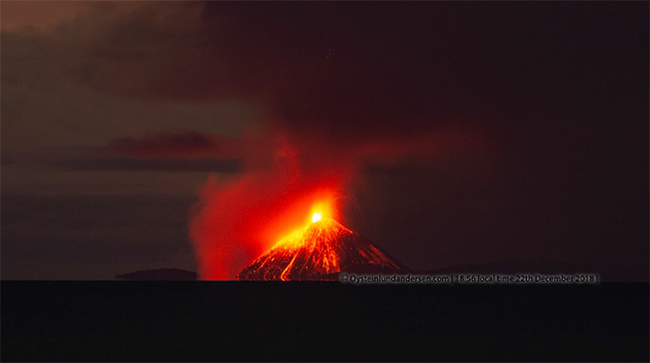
[[319, 251]]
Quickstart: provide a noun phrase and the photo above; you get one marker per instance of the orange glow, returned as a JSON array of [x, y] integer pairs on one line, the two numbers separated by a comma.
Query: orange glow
[[324, 207], [240, 220], [314, 252], [314, 206], [314, 245]]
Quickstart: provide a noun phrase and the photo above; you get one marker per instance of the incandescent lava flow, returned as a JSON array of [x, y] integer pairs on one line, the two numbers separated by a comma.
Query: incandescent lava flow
[[319, 251]]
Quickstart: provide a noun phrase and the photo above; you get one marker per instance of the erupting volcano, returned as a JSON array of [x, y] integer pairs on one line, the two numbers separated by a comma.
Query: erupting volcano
[[319, 251]]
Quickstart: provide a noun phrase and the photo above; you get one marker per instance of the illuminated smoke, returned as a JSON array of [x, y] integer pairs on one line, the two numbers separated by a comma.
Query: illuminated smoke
[[237, 220]]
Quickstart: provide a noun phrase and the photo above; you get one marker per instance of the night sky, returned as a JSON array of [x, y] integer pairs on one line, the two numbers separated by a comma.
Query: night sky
[[466, 133]]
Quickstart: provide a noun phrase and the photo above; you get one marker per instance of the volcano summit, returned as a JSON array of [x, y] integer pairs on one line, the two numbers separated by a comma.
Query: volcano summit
[[320, 251]]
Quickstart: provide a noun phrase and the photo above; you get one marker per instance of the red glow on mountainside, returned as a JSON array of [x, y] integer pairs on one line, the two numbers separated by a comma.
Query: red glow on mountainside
[[317, 251]]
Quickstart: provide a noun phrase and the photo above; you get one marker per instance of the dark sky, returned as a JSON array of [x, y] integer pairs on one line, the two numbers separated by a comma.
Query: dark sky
[[478, 132]]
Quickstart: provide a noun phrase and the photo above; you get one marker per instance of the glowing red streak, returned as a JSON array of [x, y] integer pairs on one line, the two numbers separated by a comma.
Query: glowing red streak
[[320, 248]]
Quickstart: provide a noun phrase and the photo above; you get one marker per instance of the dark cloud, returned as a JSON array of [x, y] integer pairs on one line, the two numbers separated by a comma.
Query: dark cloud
[[153, 164], [133, 158], [351, 72], [55, 79], [172, 145], [358, 71], [334, 77]]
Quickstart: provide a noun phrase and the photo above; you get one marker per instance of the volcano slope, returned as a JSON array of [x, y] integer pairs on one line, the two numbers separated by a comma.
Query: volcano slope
[[321, 251]]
